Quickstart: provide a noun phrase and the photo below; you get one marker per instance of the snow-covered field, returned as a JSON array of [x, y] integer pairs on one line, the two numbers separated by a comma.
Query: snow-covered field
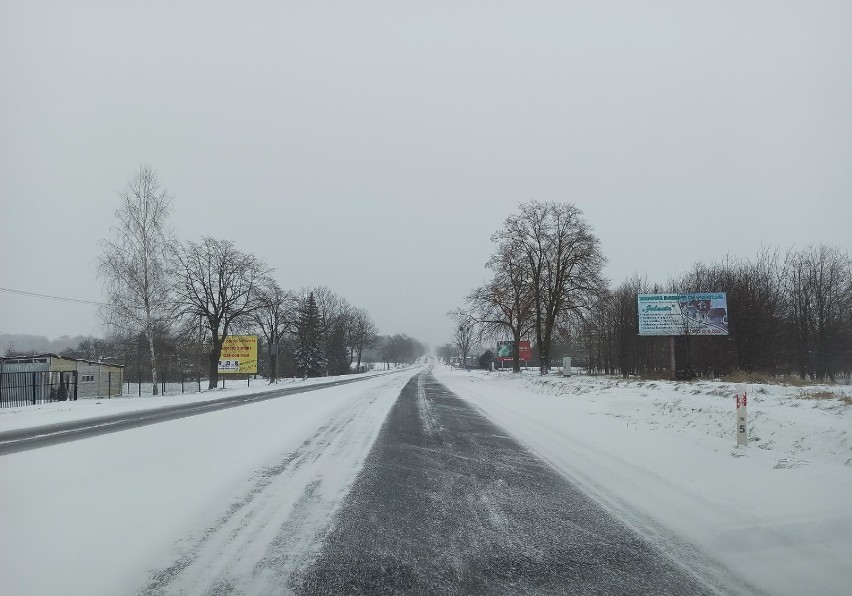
[[113, 514], [662, 455]]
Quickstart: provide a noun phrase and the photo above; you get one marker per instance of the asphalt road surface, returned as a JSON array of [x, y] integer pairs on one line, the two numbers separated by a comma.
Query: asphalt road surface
[[31, 438], [448, 504]]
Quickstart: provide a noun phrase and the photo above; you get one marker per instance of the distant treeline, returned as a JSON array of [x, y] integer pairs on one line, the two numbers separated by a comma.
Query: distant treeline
[[11, 343], [789, 314], [185, 355]]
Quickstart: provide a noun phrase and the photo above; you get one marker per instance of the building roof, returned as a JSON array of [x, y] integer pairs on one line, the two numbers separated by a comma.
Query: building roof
[[24, 359]]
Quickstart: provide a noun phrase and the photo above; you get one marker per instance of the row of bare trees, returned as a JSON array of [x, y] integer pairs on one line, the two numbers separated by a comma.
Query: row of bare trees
[[789, 314], [546, 271], [205, 291]]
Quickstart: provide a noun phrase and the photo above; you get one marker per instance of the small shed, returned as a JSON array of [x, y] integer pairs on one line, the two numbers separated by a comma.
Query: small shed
[[38, 378], [99, 379]]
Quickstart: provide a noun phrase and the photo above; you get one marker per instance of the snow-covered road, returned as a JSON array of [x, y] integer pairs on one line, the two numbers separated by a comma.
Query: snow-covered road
[[448, 503], [445, 482], [158, 509]]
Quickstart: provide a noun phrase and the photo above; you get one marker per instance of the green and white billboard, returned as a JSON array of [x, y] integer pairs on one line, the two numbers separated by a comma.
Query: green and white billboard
[[683, 314]]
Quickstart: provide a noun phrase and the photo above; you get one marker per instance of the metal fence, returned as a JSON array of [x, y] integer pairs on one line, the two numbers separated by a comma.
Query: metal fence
[[174, 382], [25, 388], [22, 388], [169, 382]]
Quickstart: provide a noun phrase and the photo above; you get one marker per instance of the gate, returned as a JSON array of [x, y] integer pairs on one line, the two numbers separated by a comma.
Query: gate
[[28, 388]]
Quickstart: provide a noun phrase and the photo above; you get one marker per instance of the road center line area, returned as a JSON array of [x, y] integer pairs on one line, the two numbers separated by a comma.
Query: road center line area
[[448, 504]]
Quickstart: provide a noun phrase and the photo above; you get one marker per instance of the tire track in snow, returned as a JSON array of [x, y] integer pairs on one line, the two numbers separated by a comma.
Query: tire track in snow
[[271, 532], [430, 423]]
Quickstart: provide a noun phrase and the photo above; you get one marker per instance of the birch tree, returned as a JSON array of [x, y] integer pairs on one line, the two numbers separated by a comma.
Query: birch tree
[[133, 262]]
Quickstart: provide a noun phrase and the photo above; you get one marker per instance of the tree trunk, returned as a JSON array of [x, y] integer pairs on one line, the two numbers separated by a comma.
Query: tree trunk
[[544, 354], [273, 363], [516, 353], [215, 353], [358, 369], [538, 337], [153, 362]]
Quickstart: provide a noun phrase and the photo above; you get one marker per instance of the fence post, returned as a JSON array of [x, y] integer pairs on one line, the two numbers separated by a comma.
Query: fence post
[[34, 389], [109, 384], [76, 384], [140, 382], [181, 381]]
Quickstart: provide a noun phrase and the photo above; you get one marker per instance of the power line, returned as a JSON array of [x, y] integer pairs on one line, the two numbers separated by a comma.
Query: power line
[[60, 298]]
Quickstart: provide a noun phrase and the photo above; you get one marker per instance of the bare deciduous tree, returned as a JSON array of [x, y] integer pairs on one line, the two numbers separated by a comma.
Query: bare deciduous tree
[[133, 263], [505, 304], [819, 286], [363, 333], [563, 261], [219, 284], [464, 333], [275, 316]]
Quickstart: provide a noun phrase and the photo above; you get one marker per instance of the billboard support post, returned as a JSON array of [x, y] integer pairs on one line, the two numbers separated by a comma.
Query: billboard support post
[[692, 314], [672, 361]]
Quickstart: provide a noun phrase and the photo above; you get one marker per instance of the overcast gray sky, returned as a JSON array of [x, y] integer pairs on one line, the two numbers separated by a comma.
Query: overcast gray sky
[[374, 147]]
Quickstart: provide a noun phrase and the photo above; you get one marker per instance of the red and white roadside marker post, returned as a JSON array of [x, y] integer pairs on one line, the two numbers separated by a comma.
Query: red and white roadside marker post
[[742, 419]]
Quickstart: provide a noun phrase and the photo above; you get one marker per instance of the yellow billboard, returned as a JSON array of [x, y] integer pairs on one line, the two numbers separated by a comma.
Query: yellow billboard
[[239, 355]]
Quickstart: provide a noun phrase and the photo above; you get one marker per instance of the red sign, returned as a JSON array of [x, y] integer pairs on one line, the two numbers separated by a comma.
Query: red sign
[[506, 350]]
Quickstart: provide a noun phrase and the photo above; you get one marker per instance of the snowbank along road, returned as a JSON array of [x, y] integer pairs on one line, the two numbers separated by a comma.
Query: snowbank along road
[[13, 441]]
